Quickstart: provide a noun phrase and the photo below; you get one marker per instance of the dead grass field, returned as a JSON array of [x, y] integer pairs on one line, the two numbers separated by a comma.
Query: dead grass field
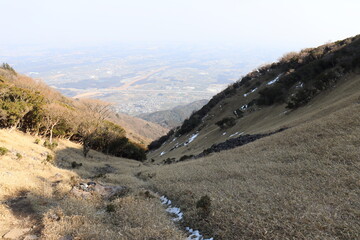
[[267, 119], [34, 195], [303, 183]]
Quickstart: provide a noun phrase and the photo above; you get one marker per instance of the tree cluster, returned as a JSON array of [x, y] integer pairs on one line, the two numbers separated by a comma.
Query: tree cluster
[[31, 106]]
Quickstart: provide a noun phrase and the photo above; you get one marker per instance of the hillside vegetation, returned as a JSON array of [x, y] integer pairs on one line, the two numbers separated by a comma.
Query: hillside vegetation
[[31, 106]]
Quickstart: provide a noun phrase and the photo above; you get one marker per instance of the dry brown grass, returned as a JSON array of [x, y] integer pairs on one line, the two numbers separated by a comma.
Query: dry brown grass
[[266, 119], [302, 183], [33, 191]]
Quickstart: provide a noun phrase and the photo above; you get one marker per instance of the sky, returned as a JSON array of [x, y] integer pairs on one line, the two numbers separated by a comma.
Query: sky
[[58, 23]]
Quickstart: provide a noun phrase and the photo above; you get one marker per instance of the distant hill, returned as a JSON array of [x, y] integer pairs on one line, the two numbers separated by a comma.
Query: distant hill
[[139, 130], [31, 106], [173, 117]]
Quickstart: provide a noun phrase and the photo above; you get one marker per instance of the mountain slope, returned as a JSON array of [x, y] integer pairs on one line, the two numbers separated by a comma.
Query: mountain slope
[[173, 117], [302, 183], [139, 130], [300, 87], [32, 106]]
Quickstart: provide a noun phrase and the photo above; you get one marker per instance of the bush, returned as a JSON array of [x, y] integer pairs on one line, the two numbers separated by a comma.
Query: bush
[[226, 122], [49, 145], [75, 164], [185, 157], [49, 158], [133, 151], [271, 95], [6, 66], [204, 204], [110, 208], [37, 141], [19, 156], [157, 143], [238, 113], [3, 151], [301, 98]]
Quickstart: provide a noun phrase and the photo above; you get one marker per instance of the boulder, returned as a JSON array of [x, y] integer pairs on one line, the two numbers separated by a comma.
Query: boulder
[[16, 233], [87, 190]]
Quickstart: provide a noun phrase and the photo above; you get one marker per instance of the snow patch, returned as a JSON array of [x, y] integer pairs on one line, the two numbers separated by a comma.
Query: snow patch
[[236, 134], [246, 94], [275, 80], [193, 234], [300, 85], [244, 107], [173, 210], [224, 133], [162, 153], [191, 138]]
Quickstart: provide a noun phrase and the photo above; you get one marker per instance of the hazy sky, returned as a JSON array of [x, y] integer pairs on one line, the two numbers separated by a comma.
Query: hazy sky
[[300, 23]]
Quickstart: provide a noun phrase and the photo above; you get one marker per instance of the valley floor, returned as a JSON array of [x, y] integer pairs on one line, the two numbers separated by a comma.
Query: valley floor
[[302, 183], [36, 199]]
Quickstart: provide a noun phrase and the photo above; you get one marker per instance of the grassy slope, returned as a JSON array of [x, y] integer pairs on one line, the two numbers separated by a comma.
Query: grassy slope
[[139, 130], [135, 216], [261, 121], [302, 183]]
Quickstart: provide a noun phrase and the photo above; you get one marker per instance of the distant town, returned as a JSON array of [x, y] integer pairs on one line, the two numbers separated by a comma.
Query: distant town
[[141, 79]]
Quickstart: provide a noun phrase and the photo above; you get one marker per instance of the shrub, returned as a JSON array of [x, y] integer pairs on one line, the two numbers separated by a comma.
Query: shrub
[[37, 141], [49, 158], [185, 157], [110, 208], [3, 151], [204, 204], [19, 156], [157, 143], [49, 145], [75, 164], [238, 113], [300, 98], [7, 66], [271, 95], [133, 151], [226, 122]]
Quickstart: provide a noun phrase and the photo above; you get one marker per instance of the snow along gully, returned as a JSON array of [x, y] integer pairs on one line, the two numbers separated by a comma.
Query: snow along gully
[[194, 234]]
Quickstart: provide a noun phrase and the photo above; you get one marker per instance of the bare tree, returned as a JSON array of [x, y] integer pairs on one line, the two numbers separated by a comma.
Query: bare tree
[[54, 114], [94, 112]]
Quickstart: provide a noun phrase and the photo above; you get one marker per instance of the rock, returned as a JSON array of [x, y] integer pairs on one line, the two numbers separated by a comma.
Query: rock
[[66, 237], [58, 175], [80, 193], [235, 142], [54, 217], [108, 192], [16, 233], [86, 190], [31, 237], [104, 170]]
